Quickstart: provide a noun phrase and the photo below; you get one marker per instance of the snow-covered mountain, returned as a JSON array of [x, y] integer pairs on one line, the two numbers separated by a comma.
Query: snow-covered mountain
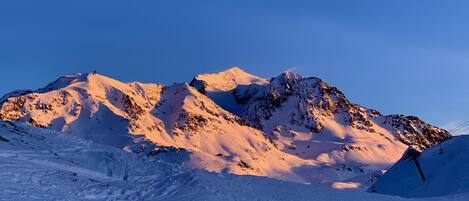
[[88, 105], [310, 103], [309, 118], [134, 116], [290, 128], [445, 168], [42, 164]]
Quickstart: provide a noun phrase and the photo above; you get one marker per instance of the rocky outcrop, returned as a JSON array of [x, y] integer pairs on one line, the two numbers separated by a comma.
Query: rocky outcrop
[[414, 132]]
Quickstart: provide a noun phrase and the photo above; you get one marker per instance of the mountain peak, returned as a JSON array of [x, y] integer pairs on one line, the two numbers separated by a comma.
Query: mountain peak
[[61, 82], [234, 69], [70, 79], [287, 80], [291, 75], [287, 75], [64, 81], [225, 80]]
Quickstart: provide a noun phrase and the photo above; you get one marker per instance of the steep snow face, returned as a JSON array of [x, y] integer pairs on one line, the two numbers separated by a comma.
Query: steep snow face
[[445, 167], [41, 164]]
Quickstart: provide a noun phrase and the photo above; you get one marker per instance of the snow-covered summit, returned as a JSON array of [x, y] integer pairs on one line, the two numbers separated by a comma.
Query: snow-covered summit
[[65, 81], [225, 80], [286, 78], [61, 82]]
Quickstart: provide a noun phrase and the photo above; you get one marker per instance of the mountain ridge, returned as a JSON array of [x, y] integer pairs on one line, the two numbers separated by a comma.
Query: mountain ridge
[[290, 128]]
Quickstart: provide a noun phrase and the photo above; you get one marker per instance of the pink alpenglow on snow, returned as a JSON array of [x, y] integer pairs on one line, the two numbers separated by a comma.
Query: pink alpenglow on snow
[[290, 128]]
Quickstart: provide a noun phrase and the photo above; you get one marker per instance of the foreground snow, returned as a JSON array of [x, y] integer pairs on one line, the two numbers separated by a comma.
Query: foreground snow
[[40, 164], [446, 168]]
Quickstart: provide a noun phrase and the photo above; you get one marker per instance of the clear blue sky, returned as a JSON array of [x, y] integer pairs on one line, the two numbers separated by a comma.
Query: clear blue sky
[[408, 57]]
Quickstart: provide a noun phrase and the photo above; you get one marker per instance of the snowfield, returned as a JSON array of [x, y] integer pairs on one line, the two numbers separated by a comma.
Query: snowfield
[[40, 164]]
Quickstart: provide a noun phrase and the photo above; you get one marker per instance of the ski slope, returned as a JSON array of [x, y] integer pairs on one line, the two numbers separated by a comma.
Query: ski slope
[[40, 164]]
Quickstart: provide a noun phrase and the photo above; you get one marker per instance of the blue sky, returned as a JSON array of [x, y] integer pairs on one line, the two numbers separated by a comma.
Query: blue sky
[[408, 57]]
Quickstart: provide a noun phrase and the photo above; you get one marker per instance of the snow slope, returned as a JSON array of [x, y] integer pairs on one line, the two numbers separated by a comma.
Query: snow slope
[[445, 166], [41, 164]]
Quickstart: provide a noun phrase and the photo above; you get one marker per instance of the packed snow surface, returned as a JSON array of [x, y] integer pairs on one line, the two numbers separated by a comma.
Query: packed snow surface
[[41, 164], [445, 166]]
